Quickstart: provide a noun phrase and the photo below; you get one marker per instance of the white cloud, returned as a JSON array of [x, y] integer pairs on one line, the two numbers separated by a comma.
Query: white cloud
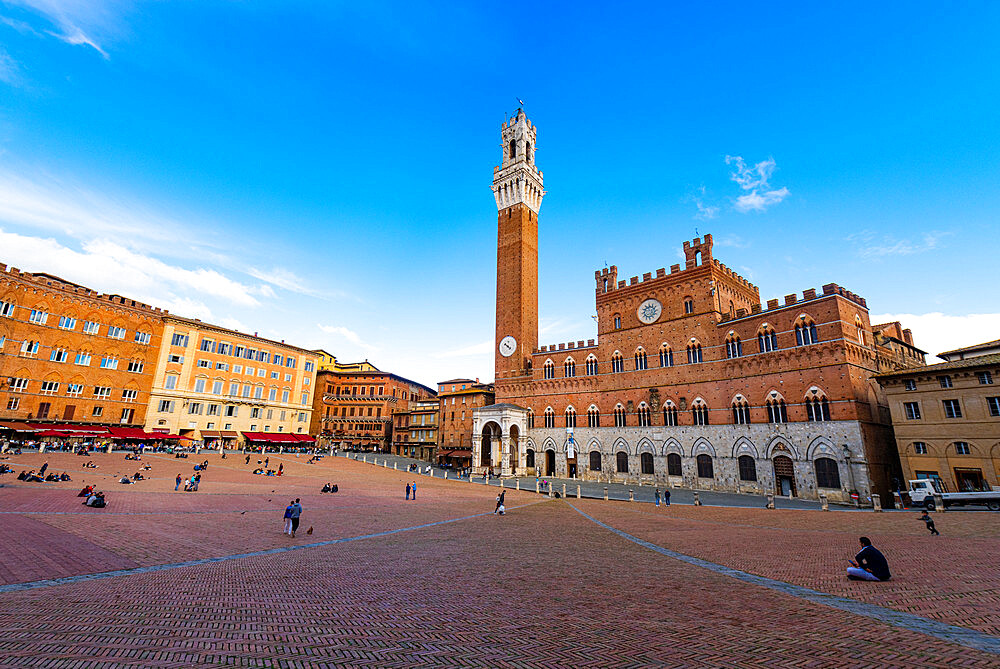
[[937, 332], [756, 181], [109, 267], [347, 334], [8, 69], [877, 245], [75, 21]]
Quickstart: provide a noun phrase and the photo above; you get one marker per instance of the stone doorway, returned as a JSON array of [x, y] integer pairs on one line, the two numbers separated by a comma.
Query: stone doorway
[[784, 476], [550, 462]]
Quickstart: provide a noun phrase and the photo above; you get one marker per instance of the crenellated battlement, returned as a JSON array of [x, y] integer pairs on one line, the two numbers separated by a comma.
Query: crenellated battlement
[[809, 294], [42, 279], [571, 346]]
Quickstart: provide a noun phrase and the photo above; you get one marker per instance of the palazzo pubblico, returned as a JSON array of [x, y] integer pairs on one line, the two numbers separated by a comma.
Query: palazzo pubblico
[[692, 381]]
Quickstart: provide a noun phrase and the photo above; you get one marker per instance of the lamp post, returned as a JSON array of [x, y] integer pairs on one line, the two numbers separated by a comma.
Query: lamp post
[[850, 474]]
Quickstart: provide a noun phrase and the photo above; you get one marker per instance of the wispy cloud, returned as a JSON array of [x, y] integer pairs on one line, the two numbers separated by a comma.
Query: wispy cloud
[[705, 211], [937, 332], [347, 334], [9, 73], [732, 241], [73, 21], [873, 245], [755, 180]]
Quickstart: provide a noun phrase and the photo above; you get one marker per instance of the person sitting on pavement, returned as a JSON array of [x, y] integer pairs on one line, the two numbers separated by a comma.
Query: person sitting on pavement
[[125, 480], [326, 488], [259, 470], [96, 500], [52, 477], [64, 477], [89, 465], [869, 564], [138, 477], [32, 477], [87, 491]]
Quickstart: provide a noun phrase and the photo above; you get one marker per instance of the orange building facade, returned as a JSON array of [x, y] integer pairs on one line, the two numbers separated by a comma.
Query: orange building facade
[[70, 355], [692, 381], [354, 409], [458, 399]]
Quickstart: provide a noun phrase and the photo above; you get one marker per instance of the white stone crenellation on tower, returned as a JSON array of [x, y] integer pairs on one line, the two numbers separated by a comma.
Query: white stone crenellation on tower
[[518, 179]]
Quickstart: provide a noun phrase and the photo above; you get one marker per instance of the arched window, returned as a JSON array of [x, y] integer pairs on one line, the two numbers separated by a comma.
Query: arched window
[[527, 151], [621, 462], [531, 418], [529, 458], [591, 365], [595, 461], [673, 464], [817, 409], [805, 332], [593, 417], [618, 321], [550, 417], [646, 463], [688, 305], [705, 470], [776, 411], [512, 149], [734, 347], [699, 413], [694, 352], [569, 368], [570, 417], [741, 412], [767, 340], [549, 370], [619, 416], [666, 356], [860, 330], [670, 414], [827, 473], [640, 358], [617, 365], [748, 468], [642, 414]]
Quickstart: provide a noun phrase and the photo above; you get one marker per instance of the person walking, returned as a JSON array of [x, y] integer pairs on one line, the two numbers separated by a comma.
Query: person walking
[[177, 483], [41, 472], [930, 523], [407, 492], [657, 493], [266, 460], [499, 501], [281, 468], [666, 498], [288, 518], [414, 491], [296, 513], [248, 459]]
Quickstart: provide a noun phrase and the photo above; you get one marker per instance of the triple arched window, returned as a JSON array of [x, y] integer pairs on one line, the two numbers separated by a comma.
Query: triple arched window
[[569, 368], [593, 417], [617, 364], [817, 409], [549, 370], [670, 414], [805, 333], [767, 339], [640, 358], [591, 365], [570, 417], [699, 413], [734, 347], [619, 416], [694, 352], [642, 415], [776, 411], [741, 412], [666, 356], [550, 417]]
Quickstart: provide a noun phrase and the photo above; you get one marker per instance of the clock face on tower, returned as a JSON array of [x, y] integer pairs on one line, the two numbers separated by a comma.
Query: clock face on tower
[[649, 311], [507, 346]]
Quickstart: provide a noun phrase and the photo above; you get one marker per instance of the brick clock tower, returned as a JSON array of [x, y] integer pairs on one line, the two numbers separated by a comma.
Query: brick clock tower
[[517, 186]]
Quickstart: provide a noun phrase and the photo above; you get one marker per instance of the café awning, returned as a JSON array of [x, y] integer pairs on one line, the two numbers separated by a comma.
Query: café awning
[[275, 437]]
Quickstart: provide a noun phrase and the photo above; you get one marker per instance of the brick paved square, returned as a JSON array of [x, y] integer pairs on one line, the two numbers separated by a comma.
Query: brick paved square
[[205, 581]]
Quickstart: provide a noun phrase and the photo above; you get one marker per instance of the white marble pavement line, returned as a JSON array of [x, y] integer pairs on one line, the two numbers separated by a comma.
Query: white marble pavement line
[[953, 633]]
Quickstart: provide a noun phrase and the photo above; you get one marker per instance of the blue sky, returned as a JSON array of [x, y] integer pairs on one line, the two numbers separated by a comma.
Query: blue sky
[[321, 174]]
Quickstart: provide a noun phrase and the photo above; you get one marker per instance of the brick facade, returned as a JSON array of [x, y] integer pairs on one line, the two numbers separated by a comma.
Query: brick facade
[[69, 354], [679, 355]]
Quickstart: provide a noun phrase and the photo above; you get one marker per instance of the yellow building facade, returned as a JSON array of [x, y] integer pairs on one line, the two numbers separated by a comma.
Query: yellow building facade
[[220, 387]]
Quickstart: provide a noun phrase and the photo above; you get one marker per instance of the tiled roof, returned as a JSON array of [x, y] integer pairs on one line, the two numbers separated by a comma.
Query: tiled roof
[[978, 361], [989, 344]]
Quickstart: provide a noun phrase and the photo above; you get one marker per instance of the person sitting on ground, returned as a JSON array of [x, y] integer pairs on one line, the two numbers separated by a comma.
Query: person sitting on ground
[[138, 477], [869, 564], [87, 491], [5, 469], [146, 467], [259, 470], [89, 465], [22, 476], [125, 480], [326, 488], [96, 500], [64, 477], [52, 477], [32, 477]]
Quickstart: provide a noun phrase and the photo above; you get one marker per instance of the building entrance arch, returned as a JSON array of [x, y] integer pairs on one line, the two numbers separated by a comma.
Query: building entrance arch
[[514, 448], [491, 434], [550, 462], [784, 476]]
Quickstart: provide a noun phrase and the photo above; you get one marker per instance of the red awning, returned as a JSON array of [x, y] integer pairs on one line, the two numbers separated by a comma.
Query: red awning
[[277, 437], [19, 427], [305, 438], [164, 435], [68, 427], [132, 433]]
